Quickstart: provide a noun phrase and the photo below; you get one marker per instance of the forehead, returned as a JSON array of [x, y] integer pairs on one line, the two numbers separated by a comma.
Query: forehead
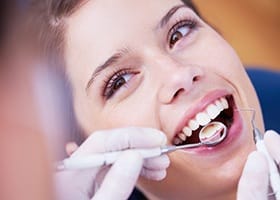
[[101, 27], [134, 8], [111, 19]]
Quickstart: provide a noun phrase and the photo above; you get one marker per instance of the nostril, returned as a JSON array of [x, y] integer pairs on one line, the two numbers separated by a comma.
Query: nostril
[[179, 84], [196, 78], [178, 92], [181, 90]]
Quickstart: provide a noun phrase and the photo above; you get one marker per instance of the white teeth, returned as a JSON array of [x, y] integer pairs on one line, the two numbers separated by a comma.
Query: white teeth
[[212, 111], [176, 141], [187, 131], [193, 124], [219, 105], [225, 103], [182, 136], [202, 119]]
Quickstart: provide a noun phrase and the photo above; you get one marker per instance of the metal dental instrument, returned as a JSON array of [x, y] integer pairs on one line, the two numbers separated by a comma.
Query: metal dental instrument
[[273, 170], [102, 159]]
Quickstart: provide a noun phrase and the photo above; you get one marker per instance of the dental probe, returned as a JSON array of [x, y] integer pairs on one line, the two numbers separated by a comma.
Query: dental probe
[[273, 171], [102, 159]]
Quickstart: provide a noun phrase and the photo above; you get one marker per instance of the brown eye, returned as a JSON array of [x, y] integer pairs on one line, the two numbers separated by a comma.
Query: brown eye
[[119, 80], [175, 37], [180, 30]]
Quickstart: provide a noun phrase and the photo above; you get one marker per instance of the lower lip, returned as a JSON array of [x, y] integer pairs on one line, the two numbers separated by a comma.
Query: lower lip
[[233, 133]]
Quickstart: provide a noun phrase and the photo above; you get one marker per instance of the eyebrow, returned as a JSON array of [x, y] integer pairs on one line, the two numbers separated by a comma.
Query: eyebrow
[[169, 14], [121, 53], [115, 58]]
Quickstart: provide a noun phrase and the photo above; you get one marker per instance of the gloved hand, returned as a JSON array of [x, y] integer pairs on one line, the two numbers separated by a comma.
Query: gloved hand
[[254, 182], [116, 181]]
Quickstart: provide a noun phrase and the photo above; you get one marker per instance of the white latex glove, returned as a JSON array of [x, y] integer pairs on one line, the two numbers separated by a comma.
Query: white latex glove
[[117, 181], [254, 182]]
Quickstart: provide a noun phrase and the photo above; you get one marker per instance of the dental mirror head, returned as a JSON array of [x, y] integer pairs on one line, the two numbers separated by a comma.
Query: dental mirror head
[[213, 133]]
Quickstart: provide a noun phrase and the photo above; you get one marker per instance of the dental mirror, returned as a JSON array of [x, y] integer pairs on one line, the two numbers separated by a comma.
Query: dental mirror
[[213, 133], [210, 135]]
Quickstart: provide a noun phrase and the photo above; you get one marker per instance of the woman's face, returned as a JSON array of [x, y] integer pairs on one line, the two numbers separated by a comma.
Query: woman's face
[[157, 64]]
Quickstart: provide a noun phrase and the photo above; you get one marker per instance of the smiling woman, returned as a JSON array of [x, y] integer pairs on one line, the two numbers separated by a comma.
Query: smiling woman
[[167, 70]]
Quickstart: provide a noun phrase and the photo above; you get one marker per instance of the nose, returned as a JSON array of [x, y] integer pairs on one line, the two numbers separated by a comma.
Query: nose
[[178, 81]]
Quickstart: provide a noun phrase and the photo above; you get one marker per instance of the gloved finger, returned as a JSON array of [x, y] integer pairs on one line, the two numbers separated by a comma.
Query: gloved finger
[[71, 147], [272, 142], [121, 178], [122, 138], [155, 175], [74, 184], [253, 184], [155, 168], [157, 163]]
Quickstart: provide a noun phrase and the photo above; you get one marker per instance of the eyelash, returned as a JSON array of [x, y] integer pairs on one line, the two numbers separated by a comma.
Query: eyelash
[[110, 82], [190, 23]]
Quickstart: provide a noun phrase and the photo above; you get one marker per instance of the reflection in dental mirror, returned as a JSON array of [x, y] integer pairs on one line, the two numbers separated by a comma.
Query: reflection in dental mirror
[[210, 135], [213, 133]]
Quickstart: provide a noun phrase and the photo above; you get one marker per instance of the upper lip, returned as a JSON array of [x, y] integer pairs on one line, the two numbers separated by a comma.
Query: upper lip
[[198, 107]]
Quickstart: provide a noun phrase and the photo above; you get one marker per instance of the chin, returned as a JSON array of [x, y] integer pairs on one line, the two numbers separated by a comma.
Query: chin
[[195, 181]]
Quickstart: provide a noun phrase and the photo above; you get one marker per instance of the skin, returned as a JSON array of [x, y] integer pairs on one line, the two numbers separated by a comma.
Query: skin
[[163, 84]]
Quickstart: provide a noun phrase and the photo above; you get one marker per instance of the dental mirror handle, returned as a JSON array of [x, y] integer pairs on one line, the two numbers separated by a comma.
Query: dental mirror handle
[[101, 159], [273, 170]]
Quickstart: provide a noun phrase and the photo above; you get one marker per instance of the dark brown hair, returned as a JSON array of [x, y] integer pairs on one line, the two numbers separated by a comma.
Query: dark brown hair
[[47, 19]]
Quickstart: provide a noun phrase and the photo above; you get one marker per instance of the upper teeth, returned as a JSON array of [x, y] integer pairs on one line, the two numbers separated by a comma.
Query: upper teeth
[[202, 118]]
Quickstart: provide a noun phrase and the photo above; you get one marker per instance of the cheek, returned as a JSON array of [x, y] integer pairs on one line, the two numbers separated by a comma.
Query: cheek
[[86, 114], [130, 114], [225, 62], [215, 55], [222, 57]]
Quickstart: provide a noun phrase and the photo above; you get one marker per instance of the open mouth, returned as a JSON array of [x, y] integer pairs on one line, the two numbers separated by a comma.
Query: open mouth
[[222, 110]]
